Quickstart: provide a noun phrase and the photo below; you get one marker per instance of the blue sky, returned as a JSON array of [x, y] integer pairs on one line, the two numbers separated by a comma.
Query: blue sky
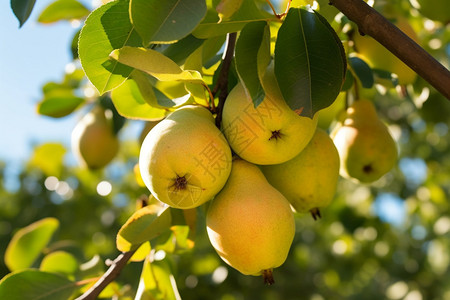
[[29, 57]]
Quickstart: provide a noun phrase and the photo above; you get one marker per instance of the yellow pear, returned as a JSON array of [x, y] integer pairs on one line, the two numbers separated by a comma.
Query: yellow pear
[[185, 160], [366, 148], [249, 223], [271, 133], [379, 57], [309, 180], [93, 141]]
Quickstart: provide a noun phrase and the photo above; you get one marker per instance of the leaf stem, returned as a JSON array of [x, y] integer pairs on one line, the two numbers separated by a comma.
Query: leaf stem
[[222, 81]]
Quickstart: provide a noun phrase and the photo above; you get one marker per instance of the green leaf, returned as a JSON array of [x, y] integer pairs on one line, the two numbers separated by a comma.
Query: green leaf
[[59, 262], [179, 51], [107, 28], [36, 285], [130, 102], [63, 10], [144, 225], [227, 8], [362, 71], [22, 9], [154, 63], [28, 243], [59, 104], [253, 57], [248, 12], [49, 158], [385, 75], [157, 282], [166, 21], [349, 80], [309, 62]]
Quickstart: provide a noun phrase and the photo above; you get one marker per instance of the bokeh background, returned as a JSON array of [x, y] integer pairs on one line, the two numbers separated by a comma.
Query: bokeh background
[[388, 240]]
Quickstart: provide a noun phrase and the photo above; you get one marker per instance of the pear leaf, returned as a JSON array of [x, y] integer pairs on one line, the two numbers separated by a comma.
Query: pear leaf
[[310, 63], [59, 262], [34, 284], [166, 21], [133, 103], [211, 25], [106, 28], [58, 105], [27, 244], [157, 281], [22, 9], [252, 58], [154, 63], [226, 8], [144, 225], [63, 10], [362, 71]]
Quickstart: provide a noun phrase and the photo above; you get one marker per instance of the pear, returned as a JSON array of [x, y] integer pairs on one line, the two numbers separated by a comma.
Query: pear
[[309, 180], [366, 148], [94, 143], [185, 160], [249, 223], [271, 133]]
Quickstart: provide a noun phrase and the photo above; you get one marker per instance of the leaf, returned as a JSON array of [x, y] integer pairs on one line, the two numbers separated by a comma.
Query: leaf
[[349, 80], [166, 21], [362, 71], [130, 103], [49, 158], [385, 75], [157, 282], [227, 8], [179, 51], [248, 12], [142, 252], [59, 262], [309, 62], [63, 10], [28, 242], [59, 104], [154, 63], [36, 285], [107, 28], [252, 58], [144, 225], [22, 9]]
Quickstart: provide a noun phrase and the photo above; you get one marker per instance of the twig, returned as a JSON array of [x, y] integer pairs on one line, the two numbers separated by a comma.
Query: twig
[[222, 81], [371, 22], [114, 270]]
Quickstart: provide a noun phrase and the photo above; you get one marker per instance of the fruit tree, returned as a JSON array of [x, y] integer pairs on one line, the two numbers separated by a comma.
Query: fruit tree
[[290, 149]]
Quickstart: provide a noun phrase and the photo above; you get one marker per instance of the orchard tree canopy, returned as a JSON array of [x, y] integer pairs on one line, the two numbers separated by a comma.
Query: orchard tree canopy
[[280, 140]]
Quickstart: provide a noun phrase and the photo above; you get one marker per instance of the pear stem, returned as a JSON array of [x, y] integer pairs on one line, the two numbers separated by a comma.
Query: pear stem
[[222, 81], [268, 277], [315, 213]]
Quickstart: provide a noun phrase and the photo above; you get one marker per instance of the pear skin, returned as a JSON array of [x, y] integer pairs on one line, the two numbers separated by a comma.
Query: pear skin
[[366, 148], [309, 180], [185, 160], [269, 134], [94, 143], [249, 223]]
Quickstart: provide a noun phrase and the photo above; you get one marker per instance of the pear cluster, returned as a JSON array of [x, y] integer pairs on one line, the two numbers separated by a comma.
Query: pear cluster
[[282, 163]]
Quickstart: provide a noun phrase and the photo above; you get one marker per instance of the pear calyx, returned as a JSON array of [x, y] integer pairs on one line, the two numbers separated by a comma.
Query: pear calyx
[[276, 134], [180, 183], [315, 213]]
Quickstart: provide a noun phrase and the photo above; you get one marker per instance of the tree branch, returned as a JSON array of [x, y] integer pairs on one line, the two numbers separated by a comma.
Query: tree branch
[[371, 22], [222, 81], [114, 270]]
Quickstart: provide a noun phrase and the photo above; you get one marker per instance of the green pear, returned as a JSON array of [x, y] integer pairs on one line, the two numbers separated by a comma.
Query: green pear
[[185, 160], [309, 180], [366, 148], [249, 223], [94, 143], [271, 133]]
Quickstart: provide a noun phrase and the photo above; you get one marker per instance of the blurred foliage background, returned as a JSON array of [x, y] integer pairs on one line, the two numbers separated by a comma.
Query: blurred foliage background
[[388, 240]]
